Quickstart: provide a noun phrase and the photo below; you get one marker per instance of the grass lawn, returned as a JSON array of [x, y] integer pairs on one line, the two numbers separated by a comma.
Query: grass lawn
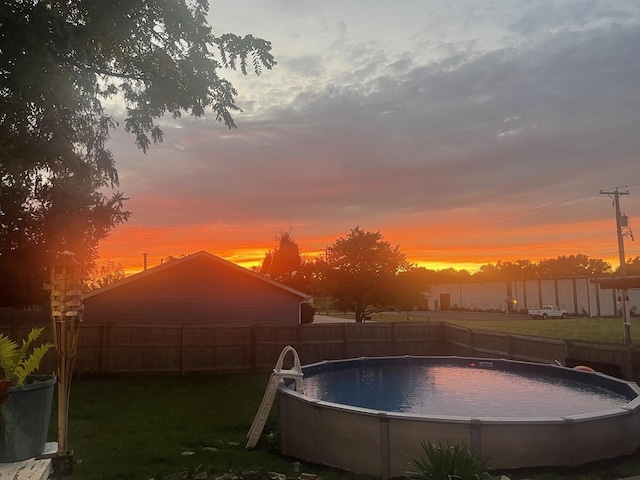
[[596, 329], [601, 329], [150, 427], [157, 426]]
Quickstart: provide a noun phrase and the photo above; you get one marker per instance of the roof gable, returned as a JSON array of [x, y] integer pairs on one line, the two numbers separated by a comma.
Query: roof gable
[[201, 256]]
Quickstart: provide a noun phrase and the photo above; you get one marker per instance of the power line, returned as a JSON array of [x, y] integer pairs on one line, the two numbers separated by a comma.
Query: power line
[[544, 209], [522, 214]]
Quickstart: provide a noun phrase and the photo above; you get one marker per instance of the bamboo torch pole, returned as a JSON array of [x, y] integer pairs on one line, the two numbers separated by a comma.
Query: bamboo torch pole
[[66, 315]]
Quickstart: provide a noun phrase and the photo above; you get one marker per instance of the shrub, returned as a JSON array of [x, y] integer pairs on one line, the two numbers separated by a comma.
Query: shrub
[[307, 312], [448, 462]]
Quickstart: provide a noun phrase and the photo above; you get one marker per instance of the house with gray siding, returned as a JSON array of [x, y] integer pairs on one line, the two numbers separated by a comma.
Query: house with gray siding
[[199, 288]]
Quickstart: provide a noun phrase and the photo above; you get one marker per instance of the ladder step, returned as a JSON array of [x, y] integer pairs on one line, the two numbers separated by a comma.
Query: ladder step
[[267, 400], [263, 412]]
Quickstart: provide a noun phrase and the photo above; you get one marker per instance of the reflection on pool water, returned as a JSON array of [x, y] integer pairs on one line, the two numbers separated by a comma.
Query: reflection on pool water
[[453, 390]]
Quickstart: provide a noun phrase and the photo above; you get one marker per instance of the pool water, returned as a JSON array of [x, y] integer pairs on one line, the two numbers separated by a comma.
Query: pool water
[[454, 390]]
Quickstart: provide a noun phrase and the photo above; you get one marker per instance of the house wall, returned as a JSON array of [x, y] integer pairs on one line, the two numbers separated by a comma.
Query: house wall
[[533, 294], [200, 290], [576, 295], [478, 296], [469, 295], [585, 299]]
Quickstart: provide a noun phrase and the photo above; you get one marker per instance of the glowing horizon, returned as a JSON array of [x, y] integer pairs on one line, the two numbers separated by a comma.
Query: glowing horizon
[[462, 134], [122, 249]]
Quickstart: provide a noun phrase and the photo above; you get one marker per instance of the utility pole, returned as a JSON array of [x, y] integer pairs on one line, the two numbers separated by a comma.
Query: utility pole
[[622, 294]]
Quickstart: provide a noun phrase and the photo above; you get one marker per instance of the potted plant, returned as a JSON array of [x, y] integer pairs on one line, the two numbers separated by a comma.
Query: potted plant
[[25, 398]]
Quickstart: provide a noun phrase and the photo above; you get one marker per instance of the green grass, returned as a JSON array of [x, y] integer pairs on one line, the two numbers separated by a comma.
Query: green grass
[[600, 329], [139, 427], [596, 329]]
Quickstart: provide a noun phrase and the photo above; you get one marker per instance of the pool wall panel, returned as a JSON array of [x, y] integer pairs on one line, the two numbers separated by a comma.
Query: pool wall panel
[[299, 428], [383, 444], [513, 444], [406, 436], [354, 440], [600, 438]]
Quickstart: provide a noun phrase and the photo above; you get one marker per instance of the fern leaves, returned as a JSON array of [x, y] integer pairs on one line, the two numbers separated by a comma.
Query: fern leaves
[[18, 362]]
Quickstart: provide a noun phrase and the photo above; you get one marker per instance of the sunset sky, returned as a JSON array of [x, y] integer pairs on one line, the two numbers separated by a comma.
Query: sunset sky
[[465, 131]]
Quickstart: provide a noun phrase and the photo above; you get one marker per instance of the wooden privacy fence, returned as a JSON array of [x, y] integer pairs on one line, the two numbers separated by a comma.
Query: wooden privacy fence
[[613, 359], [184, 348]]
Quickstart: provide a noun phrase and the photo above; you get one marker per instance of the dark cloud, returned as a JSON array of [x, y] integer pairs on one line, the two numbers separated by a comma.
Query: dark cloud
[[543, 109]]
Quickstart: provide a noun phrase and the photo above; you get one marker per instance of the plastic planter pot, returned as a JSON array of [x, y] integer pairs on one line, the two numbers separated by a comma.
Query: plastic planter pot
[[24, 419]]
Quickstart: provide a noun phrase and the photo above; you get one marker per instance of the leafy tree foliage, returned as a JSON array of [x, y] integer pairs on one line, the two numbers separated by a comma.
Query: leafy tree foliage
[[284, 264], [59, 62], [574, 265], [517, 269], [412, 288], [563, 266], [103, 275], [361, 272], [449, 275], [633, 267], [172, 258]]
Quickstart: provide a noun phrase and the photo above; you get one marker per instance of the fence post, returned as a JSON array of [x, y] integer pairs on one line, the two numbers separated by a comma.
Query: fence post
[[103, 347], [509, 347], [254, 346], [182, 349], [633, 351], [394, 340], [567, 347], [344, 340], [629, 373]]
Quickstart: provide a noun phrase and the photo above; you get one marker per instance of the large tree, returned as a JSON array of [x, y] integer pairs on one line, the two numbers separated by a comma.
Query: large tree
[[361, 272], [59, 60], [412, 288], [284, 264]]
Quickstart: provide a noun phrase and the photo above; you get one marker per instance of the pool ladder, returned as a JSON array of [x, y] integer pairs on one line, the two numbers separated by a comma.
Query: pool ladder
[[278, 374]]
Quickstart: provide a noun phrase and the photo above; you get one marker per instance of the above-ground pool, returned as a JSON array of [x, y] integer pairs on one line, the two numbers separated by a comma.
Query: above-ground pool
[[369, 415]]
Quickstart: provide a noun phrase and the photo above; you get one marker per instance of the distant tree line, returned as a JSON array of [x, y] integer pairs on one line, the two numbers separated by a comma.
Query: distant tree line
[[363, 273], [563, 266]]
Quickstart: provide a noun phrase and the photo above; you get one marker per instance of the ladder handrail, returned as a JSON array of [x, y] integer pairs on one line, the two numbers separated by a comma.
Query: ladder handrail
[[293, 373], [278, 374]]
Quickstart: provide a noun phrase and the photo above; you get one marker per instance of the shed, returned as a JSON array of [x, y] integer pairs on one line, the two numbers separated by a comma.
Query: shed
[[199, 288]]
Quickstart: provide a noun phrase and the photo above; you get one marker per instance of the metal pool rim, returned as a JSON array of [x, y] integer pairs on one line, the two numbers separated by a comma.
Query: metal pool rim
[[382, 443]]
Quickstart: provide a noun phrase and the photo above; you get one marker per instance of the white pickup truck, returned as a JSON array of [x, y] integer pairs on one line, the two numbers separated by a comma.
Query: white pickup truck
[[548, 311]]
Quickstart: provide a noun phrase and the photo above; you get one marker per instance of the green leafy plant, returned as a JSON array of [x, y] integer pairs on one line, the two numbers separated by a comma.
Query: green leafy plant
[[448, 462], [20, 361]]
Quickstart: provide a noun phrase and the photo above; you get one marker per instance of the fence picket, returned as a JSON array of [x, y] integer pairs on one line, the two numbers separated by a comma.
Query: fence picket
[[184, 348]]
